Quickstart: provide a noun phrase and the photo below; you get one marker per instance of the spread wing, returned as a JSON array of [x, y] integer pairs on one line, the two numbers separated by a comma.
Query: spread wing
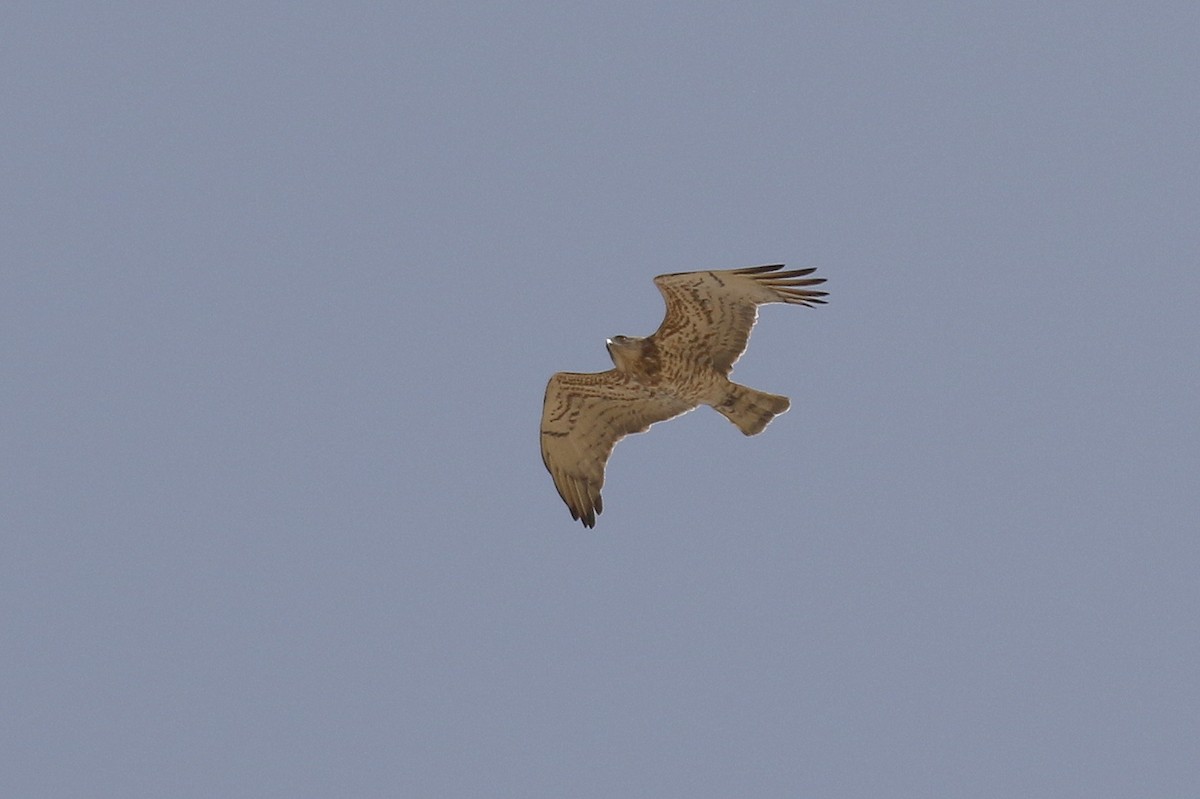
[[583, 418], [710, 314]]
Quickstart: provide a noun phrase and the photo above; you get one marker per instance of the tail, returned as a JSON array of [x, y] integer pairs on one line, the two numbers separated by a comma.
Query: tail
[[751, 410]]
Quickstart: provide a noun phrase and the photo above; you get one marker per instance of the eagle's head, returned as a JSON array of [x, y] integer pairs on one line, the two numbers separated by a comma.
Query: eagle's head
[[625, 351]]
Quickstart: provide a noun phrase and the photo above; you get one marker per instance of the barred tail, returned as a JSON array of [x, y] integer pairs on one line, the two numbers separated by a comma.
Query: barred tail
[[751, 410]]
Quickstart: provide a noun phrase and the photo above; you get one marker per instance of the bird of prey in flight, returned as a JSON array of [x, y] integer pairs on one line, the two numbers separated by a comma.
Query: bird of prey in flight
[[684, 364]]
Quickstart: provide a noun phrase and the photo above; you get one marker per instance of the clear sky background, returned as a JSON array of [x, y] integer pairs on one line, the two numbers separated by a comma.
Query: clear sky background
[[282, 287]]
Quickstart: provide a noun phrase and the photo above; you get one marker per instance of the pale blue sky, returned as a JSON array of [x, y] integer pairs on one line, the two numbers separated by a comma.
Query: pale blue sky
[[282, 287]]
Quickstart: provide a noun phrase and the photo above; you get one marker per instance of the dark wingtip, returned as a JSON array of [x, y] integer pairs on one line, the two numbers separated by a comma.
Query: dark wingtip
[[758, 270], [589, 519]]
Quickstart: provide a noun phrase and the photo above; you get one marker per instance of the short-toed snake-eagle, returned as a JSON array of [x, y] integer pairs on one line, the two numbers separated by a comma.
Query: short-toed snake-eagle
[[684, 364]]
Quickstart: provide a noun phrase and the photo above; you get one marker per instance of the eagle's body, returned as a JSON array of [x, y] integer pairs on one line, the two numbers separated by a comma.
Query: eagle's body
[[684, 364]]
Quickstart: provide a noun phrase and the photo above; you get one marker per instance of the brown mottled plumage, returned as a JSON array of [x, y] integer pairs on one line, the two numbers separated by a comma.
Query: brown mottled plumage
[[685, 364]]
